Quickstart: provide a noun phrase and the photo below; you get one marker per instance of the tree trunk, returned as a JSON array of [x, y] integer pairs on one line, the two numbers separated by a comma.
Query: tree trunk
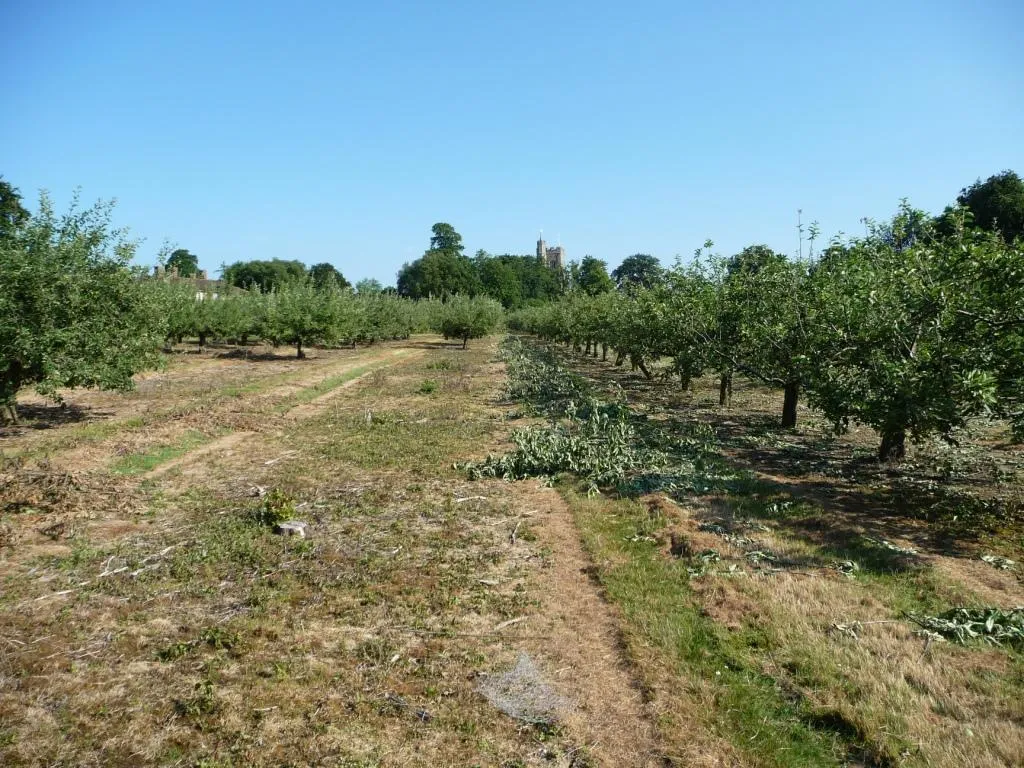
[[586, 350], [894, 445], [298, 351], [202, 340], [619, 359], [8, 413], [465, 342], [604, 353], [684, 381], [639, 363], [725, 390], [789, 404]]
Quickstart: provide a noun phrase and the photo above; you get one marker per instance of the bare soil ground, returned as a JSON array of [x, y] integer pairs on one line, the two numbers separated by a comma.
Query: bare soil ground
[[149, 615]]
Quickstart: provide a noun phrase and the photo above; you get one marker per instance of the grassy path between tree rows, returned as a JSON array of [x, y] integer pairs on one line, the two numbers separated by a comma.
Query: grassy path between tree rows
[[164, 623]]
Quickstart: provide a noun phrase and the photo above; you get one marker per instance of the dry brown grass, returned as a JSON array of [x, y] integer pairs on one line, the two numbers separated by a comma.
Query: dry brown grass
[[179, 632]]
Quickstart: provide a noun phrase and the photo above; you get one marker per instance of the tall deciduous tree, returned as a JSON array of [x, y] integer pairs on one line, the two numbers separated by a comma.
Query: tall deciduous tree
[[517, 280], [591, 276], [369, 287], [265, 275], [446, 239], [997, 204], [12, 213], [438, 274], [185, 262], [638, 270], [442, 271], [498, 279], [326, 275], [72, 311]]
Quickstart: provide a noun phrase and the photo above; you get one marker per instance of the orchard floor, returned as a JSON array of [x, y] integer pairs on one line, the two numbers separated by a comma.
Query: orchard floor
[[771, 615], [149, 615]]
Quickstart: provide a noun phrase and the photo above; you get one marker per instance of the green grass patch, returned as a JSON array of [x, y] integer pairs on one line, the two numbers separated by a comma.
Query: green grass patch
[[771, 726], [140, 463], [331, 382], [446, 364], [395, 439]]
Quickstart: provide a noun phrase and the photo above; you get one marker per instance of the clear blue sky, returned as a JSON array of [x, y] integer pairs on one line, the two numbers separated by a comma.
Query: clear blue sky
[[341, 131]]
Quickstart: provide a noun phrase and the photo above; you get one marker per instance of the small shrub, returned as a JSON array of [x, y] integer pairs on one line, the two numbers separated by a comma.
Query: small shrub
[[963, 625], [444, 364], [276, 507], [428, 386], [215, 637], [202, 702], [218, 638], [174, 651]]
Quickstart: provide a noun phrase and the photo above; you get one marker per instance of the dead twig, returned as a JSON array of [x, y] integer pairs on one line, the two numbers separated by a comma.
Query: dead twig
[[284, 567], [284, 455], [851, 629], [510, 622], [54, 594]]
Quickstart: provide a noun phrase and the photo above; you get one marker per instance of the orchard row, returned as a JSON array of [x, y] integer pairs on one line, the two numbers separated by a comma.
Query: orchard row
[[301, 314], [75, 313], [912, 329]]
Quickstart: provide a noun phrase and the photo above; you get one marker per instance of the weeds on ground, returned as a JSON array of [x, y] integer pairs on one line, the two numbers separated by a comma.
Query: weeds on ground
[[965, 625], [600, 442], [276, 507]]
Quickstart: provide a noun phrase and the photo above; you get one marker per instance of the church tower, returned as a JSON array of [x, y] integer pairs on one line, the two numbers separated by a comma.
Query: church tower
[[552, 258]]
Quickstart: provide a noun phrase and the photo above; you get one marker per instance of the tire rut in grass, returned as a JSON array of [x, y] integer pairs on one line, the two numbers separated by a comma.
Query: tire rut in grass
[[190, 462], [168, 431], [583, 643]]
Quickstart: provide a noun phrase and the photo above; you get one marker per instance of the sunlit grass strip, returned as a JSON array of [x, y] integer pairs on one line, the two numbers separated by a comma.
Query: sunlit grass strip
[[323, 387], [140, 463], [750, 709], [87, 434]]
